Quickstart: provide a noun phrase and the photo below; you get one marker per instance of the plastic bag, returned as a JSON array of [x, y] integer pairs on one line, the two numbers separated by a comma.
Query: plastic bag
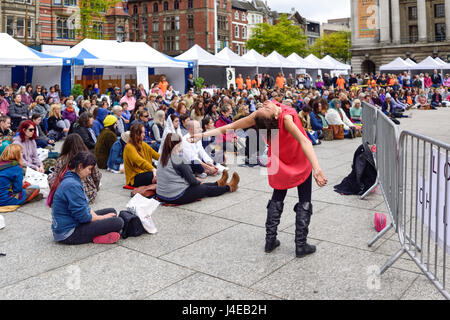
[[144, 208], [36, 178]]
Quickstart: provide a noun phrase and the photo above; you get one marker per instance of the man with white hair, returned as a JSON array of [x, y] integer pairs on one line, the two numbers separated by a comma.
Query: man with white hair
[[195, 155]]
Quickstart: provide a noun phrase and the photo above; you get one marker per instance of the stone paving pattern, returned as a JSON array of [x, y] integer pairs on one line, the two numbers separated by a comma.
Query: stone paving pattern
[[214, 249]]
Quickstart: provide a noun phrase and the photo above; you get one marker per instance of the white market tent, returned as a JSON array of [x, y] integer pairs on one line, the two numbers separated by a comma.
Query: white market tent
[[279, 61], [319, 64], [233, 59], [258, 60], [337, 64], [443, 63], [202, 57], [428, 64], [299, 61], [123, 58], [21, 64], [410, 62], [398, 64]]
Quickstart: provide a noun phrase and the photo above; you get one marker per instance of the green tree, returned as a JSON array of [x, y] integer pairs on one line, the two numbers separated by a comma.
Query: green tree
[[90, 12], [335, 44], [284, 37]]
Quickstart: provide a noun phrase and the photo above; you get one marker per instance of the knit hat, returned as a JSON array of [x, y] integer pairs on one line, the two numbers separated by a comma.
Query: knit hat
[[109, 120], [125, 136]]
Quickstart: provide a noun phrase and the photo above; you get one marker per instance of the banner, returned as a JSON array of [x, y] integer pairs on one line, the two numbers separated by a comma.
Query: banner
[[231, 77], [366, 19]]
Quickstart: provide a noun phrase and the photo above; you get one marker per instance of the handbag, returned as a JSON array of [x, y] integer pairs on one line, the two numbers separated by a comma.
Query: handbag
[[327, 134], [144, 208], [338, 131], [132, 226]]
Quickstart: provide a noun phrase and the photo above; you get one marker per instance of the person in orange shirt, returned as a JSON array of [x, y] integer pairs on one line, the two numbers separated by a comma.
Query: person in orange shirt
[[340, 82], [373, 83], [240, 82], [255, 82], [248, 83], [163, 84], [280, 81]]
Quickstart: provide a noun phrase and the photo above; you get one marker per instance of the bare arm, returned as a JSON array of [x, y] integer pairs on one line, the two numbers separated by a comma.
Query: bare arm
[[243, 123], [307, 149]]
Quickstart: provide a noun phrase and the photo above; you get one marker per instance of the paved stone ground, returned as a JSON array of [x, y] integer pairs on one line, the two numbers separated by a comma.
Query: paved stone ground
[[213, 249]]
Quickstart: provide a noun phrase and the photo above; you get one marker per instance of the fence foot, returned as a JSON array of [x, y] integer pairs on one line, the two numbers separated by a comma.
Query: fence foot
[[391, 261], [380, 234], [369, 191]]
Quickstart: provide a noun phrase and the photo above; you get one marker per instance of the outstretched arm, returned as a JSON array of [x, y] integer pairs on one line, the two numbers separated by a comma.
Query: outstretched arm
[[243, 123], [307, 149]]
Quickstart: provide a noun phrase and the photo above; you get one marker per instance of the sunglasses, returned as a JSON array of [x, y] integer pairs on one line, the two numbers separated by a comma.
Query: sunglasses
[[31, 130], [145, 116]]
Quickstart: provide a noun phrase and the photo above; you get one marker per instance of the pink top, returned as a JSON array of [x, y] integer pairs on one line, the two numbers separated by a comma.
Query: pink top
[[131, 101], [288, 166]]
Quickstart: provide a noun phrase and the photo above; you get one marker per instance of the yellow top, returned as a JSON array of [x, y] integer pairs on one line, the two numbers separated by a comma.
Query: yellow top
[[136, 163]]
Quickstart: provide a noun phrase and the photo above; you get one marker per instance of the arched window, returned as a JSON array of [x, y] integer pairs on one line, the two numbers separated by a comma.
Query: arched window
[[135, 9], [155, 7], [190, 4], [176, 5], [166, 5]]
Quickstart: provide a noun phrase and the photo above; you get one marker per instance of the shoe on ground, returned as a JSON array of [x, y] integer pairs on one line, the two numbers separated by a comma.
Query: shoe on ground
[[233, 184], [304, 250], [108, 238], [223, 180], [270, 246], [113, 171]]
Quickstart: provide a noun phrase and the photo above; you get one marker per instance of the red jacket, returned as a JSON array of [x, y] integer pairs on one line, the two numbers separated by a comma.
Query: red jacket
[[228, 137]]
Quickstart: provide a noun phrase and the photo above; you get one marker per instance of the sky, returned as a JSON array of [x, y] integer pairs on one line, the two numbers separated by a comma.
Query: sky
[[316, 10]]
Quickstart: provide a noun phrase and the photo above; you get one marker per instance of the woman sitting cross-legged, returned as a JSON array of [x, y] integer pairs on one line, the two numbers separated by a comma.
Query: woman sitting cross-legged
[[105, 140], [27, 139], [73, 221], [137, 159], [71, 147], [176, 182], [12, 192]]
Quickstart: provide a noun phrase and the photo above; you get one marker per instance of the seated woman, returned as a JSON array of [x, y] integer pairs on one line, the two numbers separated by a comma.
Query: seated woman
[[335, 116], [318, 122], [27, 139], [177, 184], [83, 127], [157, 129], [356, 111], [117, 112], [58, 128], [73, 222], [115, 159], [105, 140], [12, 192], [42, 140], [71, 147], [137, 159], [305, 118]]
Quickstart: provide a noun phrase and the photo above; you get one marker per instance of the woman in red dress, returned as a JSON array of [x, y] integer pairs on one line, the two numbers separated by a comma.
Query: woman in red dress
[[291, 162]]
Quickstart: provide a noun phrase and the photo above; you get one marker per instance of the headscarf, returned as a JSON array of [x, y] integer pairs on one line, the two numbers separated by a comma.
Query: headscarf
[[169, 128]]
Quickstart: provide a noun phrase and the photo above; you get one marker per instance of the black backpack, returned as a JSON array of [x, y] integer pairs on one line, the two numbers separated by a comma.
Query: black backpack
[[132, 226]]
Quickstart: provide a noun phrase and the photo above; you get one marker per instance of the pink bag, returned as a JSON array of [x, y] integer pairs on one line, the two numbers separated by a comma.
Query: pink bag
[[380, 221]]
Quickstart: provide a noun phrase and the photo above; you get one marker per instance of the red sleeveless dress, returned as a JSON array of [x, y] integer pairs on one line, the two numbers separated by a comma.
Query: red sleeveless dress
[[287, 165]]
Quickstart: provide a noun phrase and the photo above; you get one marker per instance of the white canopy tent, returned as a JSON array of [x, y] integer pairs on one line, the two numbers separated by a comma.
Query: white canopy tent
[[398, 64], [299, 62], [410, 62], [202, 57], [319, 64], [337, 64], [258, 60], [443, 63], [428, 64], [233, 59], [279, 61], [21, 64]]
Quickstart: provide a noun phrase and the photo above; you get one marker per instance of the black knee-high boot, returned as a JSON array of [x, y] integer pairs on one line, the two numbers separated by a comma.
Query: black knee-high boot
[[303, 212], [274, 211]]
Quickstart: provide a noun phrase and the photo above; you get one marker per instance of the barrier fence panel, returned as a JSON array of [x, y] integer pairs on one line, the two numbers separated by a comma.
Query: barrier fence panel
[[423, 207], [369, 133]]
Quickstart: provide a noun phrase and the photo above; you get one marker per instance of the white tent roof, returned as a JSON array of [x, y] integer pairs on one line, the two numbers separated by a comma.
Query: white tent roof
[[258, 59], [299, 61], [16, 54], [337, 64], [234, 59], [319, 64], [398, 64], [280, 61], [443, 63], [203, 57], [410, 62], [428, 64], [92, 52]]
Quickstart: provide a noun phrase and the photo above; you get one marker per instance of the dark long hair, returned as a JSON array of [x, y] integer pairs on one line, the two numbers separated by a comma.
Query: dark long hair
[[262, 122], [135, 136], [172, 139], [73, 145]]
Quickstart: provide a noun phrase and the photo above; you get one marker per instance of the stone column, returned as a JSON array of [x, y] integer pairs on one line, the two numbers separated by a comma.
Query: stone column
[[395, 21], [385, 22], [447, 19], [422, 20]]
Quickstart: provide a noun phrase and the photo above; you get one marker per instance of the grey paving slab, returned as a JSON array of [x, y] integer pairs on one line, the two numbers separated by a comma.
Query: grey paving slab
[[116, 274], [36, 253], [37, 209], [176, 228], [422, 289], [204, 287], [16, 224], [236, 254], [336, 272]]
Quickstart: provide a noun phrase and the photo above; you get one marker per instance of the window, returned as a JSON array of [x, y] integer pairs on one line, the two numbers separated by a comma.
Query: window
[[135, 10], [171, 43], [166, 6], [244, 32], [176, 5], [238, 49], [243, 16], [439, 10], [222, 22], [29, 28], [144, 9], [236, 15], [155, 44], [412, 13], [70, 2], [191, 42], [190, 4], [57, 2], [63, 30], [190, 21], [155, 26], [98, 30], [120, 34], [155, 7], [144, 25], [224, 4], [10, 26], [439, 32], [236, 32], [20, 27], [413, 34]]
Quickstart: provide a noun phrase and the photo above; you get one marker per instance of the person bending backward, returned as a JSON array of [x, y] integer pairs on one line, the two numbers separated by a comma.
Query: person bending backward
[[73, 221], [291, 160], [176, 182]]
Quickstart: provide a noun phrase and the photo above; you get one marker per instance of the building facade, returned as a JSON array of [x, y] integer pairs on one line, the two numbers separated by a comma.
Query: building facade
[[239, 26], [335, 25], [383, 30]]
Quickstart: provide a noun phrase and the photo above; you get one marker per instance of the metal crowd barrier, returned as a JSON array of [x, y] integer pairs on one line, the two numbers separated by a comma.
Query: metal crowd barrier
[[369, 132], [423, 206]]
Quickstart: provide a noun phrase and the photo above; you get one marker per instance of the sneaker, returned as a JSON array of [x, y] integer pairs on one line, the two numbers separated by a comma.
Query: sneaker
[[108, 238], [202, 175], [113, 171]]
